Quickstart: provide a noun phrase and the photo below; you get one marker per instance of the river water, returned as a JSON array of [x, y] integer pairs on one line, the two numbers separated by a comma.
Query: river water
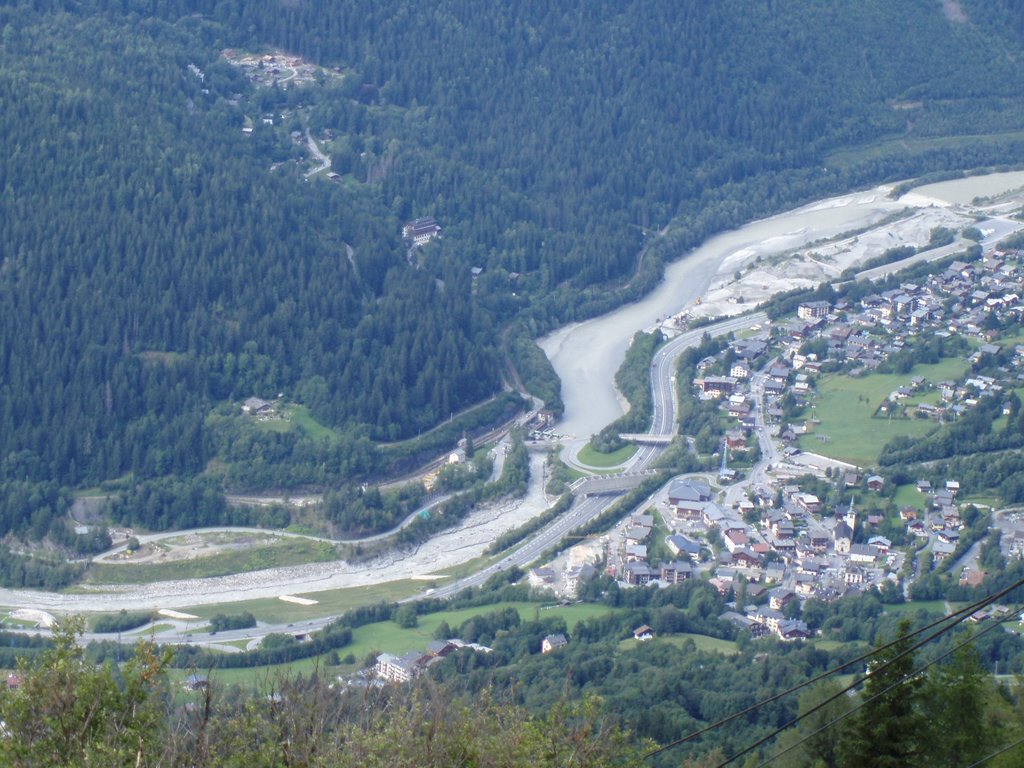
[[586, 355]]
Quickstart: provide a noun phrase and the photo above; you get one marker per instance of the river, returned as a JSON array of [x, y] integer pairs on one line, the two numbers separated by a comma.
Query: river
[[586, 355]]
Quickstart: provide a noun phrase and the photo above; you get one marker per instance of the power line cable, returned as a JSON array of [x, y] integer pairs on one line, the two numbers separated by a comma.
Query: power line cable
[[997, 753], [967, 611], [854, 684], [899, 682], [845, 690]]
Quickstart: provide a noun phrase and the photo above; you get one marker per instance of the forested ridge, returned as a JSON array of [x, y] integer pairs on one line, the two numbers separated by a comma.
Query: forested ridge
[[158, 266]]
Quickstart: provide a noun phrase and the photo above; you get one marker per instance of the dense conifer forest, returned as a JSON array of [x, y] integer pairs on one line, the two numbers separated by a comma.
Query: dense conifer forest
[[158, 265]]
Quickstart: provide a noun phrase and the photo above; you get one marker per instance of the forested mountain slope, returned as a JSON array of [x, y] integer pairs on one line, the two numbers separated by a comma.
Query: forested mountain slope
[[156, 262]]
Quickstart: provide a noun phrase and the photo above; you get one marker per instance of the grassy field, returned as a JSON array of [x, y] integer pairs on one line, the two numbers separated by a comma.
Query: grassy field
[[703, 643], [931, 606], [294, 416], [591, 458], [909, 496], [261, 678], [903, 146], [220, 563], [834, 645], [330, 603], [388, 637], [471, 566], [846, 406], [301, 418]]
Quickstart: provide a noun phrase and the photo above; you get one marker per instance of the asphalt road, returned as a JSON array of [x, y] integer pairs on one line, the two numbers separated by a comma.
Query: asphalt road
[[584, 510]]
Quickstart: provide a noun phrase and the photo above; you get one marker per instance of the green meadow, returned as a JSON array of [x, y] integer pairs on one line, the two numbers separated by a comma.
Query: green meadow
[[846, 406]]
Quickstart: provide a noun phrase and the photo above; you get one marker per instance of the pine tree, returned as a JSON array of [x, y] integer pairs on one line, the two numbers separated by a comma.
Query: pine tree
[[955, 699], [889, 729]]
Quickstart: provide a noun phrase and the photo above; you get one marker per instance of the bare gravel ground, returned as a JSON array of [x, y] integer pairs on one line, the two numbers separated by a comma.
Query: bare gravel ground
[[765, 275], [444, 551]]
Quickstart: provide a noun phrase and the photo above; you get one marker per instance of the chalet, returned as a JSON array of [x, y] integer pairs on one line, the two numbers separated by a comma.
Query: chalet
[[692, 510], [675, 573], [636, 552], [793, 629], [863, 553], [727, 575], [716, 386], [744, 622], [748, 349], [744, 558], [553, 643], [421, 231], [720, 585], [811, 310], [783, 529], [738, 410], [637, 534], [808, 502], [805, 584], [399, 669], [712, 514], [740, 370], [948, 536], [876, 483], [643, 633], [688, 490], [941, 550], [735, 540], [769, 618], [638, 573], [817, 537], [784, 546], [881, 543], [780, 597], [254, 406], [681, 545]]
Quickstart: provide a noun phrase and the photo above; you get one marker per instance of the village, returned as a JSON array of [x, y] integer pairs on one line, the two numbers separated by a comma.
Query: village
[[780, 541]]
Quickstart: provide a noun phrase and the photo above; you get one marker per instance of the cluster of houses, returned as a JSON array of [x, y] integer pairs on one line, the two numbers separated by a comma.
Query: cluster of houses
[[794, 552], [401, 669], [792, 548], [860, 335], [771, 619]]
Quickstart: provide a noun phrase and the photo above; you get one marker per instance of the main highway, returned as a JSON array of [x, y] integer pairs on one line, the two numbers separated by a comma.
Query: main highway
[[587, 508]]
